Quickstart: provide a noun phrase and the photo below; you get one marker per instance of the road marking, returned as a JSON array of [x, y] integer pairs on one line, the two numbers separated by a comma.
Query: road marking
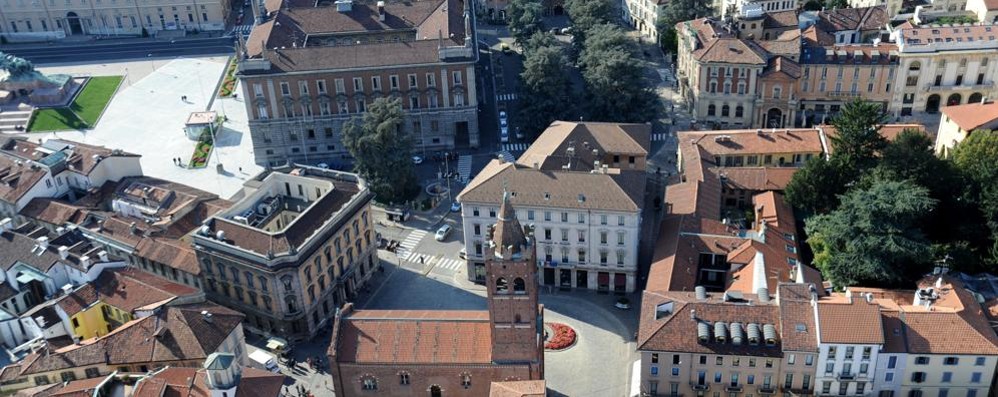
[[514, 147], [660, 136], [464, 168], [450, 264], [506, 97], [409, 243]]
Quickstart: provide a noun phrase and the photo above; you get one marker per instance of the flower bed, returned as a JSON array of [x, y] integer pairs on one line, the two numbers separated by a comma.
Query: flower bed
[[229, 83], [559, 336], [201, 153]]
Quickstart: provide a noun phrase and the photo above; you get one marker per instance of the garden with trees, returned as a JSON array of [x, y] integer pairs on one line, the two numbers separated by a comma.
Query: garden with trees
[[884, 213]]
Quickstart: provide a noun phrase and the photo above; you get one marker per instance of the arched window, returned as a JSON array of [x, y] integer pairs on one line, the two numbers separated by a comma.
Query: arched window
[[711, 110], [915, 66], [369, 383], [404, 378], [328, 253], [519, 286], [517, 319], [725, 110], [502, 286], [739, 111], [466, 380]]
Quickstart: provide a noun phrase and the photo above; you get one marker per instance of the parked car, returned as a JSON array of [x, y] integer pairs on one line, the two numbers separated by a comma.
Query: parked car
[[463, 254], [505, 49], [504, 134], [442, 233], [417, 160], [323, 166], [456, 207]]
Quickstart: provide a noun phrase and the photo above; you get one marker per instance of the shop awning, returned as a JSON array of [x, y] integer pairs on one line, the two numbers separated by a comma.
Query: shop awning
[[603, 278], [619, 279]]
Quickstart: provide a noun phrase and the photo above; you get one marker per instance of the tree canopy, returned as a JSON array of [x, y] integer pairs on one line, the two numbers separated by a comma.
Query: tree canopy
[[614, 78], [677, 11], [525, 18], [382, 151], [586, 14], [857, 141], [872, 238], [547, 89]]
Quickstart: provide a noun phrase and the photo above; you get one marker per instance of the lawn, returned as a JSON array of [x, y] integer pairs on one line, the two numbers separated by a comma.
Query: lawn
[[83, 112]]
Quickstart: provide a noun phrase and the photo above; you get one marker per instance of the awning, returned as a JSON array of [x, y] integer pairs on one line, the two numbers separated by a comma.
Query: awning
[[603, 278], [619, 279]]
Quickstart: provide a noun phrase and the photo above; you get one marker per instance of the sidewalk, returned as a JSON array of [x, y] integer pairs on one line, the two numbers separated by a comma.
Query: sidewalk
[[78, 40]]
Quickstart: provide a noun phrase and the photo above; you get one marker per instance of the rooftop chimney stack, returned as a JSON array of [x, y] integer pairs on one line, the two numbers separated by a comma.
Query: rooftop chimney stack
[[63, 252], [381, 11], [43, 243], [103, 256], [6, 224]]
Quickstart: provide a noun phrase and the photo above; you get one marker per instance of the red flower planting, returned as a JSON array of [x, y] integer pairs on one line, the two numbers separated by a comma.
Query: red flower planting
[[562, 338]]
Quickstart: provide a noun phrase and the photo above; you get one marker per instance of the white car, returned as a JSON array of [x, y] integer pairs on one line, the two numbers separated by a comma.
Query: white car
[[504, 134], [323, 166], [502, 117], [442, 233], [417, 160]]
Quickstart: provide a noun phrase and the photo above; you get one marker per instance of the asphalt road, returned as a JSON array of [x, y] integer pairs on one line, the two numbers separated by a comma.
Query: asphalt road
[[62, 53]]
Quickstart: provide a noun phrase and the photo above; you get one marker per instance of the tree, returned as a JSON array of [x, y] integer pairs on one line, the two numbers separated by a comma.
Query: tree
[[677, 11], [857, 141], [614, 78], [382, 151], [586, 14], [546, 86], [815, 187], [976, 159], [525, 18], [834, 4], [872, 238]]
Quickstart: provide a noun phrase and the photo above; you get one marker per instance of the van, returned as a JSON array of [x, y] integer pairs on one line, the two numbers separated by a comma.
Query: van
[[263, 360]]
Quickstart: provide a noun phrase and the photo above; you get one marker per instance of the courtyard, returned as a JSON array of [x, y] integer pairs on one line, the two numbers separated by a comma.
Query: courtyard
[[147, 117]]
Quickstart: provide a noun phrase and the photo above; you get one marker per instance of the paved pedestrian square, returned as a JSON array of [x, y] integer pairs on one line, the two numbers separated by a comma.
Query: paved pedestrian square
[[147, 117]]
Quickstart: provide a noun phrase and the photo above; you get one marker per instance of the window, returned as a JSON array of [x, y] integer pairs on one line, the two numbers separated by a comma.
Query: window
[[376, 83], [404, 378], [832, 352], [975, 377], [457, 78], [412, 81], [92, 372], [369, 384], [340, 87], [675, 371], [979, 361], [892, 362], [809, 360], [866, 353], [829, 367], [431, 80], [76, 323], [791, 359], [393, 80], [826, 387], [947, 377], [951, 361], [849, 352], [922, 360], [466, 381], [889, 377], [703, 360], [719, 360], [918, 377]]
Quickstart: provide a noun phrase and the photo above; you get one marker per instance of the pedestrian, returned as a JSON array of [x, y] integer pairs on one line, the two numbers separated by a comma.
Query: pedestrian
[[240, 170], [422, 260]]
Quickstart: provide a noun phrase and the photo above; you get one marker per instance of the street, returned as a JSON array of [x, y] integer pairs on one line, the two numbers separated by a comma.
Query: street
[[40, 54]]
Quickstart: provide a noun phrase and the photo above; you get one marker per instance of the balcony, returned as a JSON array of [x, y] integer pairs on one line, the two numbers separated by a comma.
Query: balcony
[[961, 87], [699, 387], [734, 388], [846, 376], [767, 390]]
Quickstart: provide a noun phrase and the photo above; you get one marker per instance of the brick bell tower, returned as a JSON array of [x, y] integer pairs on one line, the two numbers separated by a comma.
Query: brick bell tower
[[511, 281]]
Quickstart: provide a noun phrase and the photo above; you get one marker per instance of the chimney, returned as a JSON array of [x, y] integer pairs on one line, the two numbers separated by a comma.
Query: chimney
[[103, 256], [6, 224], [133, 228], [63, 252], [85, 261], [43, 242], [381, 11], [206, 315], [939, 282], [344, 5]]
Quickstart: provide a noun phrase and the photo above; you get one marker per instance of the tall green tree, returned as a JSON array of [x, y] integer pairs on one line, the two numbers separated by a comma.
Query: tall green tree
[[677, 11], [382, 151], [525, 18], [858, 142], [815, 187], [547, 89], [976, 158], [615, 78], [872, 238], [586, 14]]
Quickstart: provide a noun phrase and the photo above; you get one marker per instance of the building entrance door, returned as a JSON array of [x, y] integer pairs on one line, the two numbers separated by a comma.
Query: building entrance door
[[581, 279], [74, 23]]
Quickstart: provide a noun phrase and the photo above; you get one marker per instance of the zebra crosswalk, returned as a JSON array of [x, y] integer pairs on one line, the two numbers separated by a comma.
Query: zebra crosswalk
[[450, 264], [409, 243], [243, 29], [464, 168], [514, 147], [506, 97], [661, 136]]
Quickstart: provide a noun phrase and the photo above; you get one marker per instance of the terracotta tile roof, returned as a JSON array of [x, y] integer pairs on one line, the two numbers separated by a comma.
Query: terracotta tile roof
[[177, 333], [862, 19], [924, 35], [193, 382], [549, 150], [812, 36], [52, 211], [888, 131], [786, 46], [17, 248], [16, 180], [780, 64], [666, 323], [80, 299], [894, 340], [175, 254], [556, 189], [712, 43], [129, 289], [521, 388], [296, 37], [797, 318], [837, 321], [972, 116], [800, 140], [755, 178], [294, 236], [39, 391], [84, 387], [780, 19], [410, 337]]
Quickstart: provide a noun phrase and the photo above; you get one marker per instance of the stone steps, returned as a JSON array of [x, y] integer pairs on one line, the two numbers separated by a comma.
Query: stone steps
[[11, 119]]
